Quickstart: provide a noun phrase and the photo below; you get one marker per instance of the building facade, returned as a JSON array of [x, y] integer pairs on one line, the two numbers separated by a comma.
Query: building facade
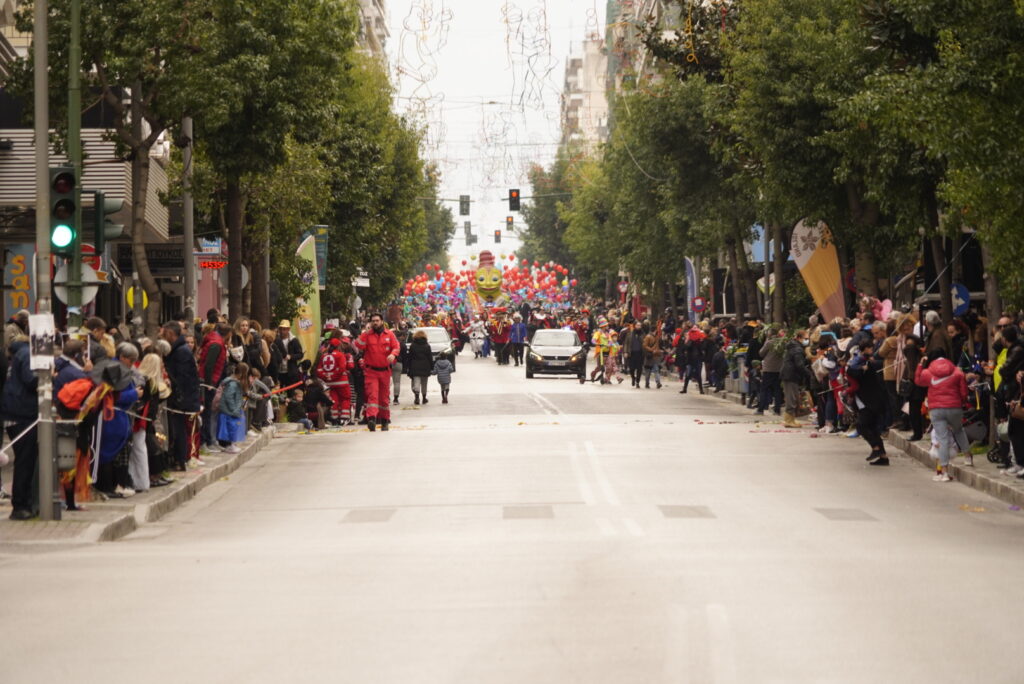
[[585, 96], [373, 27]]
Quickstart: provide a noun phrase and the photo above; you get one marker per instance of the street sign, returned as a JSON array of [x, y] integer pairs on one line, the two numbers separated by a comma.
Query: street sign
[[90, 283], [698, 304], [961, 299], [129, 296]]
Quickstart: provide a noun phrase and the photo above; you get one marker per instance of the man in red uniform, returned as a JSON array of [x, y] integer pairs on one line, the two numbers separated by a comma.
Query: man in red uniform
[[500, 330], [380, 349], [333, 370]]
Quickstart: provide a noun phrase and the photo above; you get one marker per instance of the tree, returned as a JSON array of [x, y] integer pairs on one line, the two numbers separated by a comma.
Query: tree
[[275, 71], [139, 57]]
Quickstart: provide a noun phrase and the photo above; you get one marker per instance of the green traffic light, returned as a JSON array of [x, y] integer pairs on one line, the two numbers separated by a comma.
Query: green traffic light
[[62, 236]]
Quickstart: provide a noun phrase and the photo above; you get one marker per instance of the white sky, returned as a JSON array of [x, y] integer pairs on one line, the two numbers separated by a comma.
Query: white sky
[[486, 76]]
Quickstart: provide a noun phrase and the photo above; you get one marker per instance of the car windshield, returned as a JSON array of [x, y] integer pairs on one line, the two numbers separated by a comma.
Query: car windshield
[[437, 335], [555, 338]]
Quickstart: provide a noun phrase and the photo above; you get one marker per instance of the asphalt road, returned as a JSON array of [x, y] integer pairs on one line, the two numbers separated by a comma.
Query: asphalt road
[[539, 531]]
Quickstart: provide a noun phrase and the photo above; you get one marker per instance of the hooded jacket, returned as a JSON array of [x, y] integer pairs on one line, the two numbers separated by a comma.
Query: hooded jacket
[[947, 386], [184, 377], [19, 401]]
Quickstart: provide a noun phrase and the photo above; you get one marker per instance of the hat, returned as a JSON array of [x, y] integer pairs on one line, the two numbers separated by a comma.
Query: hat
[[602, 322], [285, 323], [334, 341], [112, 372]]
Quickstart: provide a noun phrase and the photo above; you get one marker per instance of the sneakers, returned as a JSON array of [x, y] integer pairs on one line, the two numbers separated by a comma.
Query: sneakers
[[875, 455], [124, 492], [233, 449], [385, 425], [882, 460], [969, 460], [942, 477], [198, 461], [253, 433], [1013, 470], [417, 400], [853, 434], [213, 448], [372, 423]]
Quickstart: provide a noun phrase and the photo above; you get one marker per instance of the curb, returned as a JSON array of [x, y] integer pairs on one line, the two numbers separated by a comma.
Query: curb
[[1006, 489], [175, 495]]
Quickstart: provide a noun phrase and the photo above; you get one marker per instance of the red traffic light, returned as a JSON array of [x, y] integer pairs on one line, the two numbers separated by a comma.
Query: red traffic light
[[63, 183]]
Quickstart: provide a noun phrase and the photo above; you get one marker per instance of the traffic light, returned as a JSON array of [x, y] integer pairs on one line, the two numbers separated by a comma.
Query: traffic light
[[513, 199], [103, 228], [463, 205], [497, 236], [508, 223], [467, 227], [63, 231]]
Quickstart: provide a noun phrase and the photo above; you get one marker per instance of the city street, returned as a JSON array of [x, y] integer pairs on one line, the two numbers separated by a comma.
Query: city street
[[539, 531]]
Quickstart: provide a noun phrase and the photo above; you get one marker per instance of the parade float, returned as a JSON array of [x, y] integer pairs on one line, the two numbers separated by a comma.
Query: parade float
[[486, 282]]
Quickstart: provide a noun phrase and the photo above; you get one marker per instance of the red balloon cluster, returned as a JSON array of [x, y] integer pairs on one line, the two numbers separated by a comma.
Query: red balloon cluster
[[541, 283]]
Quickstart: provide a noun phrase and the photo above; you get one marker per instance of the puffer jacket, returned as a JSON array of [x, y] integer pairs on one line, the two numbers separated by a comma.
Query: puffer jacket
[[231, 398], [420, 362], [19, 401], [794, 364], [947, 386]]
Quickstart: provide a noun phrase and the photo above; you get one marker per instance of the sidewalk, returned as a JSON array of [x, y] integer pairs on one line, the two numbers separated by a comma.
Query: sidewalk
[[984, 476], [115, 518]]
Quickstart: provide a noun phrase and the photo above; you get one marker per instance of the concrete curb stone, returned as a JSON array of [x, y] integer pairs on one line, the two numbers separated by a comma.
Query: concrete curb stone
[[119, 519], [980, 477]]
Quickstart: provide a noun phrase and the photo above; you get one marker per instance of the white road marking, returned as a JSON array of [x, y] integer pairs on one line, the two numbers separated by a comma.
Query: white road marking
[[678, 641], [603, 482], [586, 491], [547, 406], [721, 648], [633, 527]]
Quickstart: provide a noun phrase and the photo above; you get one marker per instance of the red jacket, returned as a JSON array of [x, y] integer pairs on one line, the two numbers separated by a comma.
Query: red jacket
[[376, 348], [500, 331], [333, 368], [947, 386], [211, 367]]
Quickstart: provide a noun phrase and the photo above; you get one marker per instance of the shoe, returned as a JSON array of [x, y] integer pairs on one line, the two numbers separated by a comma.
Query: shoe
[[941, 477], [417, 400], [682, 391], [969, 460], [881, 461], [659, 385], [835, 430], [253, 433], [444, 400], [233, 449], [213, 448], [425, 400], [159, 482], [647, 385], [22, 514], [853, 434], [759, 412], [875, 455], [124, 492], [385, 425], [1013, 470], [396, 401], [179, 467], [372, 424]]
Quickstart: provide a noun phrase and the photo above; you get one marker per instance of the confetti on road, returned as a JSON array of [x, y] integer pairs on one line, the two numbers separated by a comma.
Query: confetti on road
[[972, 509]]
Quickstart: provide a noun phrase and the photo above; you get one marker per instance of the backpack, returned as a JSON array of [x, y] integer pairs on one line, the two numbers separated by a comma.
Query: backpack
[[72, 394], [218, 395]]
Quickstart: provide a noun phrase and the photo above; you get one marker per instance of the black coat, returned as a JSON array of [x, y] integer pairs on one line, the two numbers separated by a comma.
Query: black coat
[[184, 376], [19, 401], [794, 363], [420, 360]]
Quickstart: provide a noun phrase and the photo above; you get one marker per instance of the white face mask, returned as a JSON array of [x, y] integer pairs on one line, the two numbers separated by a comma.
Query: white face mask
[[805, 342]]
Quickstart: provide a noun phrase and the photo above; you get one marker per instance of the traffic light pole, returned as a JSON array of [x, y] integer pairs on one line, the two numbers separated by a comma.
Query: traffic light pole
[[74, 282], [188, 224], [49, 508]]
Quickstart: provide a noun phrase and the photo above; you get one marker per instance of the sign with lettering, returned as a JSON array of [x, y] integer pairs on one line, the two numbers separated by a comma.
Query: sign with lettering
[[19, 283]]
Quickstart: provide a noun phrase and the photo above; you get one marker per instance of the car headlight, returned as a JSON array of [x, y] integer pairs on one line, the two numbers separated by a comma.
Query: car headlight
[[576, 357], [536, 357]]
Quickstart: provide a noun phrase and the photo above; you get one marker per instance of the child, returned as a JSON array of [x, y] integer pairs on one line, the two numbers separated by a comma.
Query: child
[[231, 412], [317, 402], [296, 410], [611, 359], [443, 369], [259, 396]]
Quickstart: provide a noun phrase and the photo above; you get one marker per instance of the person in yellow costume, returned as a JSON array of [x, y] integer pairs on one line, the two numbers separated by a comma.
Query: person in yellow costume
[[601, 342]]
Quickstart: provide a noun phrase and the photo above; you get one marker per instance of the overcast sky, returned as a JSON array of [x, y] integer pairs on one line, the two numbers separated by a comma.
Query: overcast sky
[[486, 75]]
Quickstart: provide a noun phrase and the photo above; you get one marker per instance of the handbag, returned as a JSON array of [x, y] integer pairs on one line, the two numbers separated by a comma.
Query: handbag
[[1017, 410]]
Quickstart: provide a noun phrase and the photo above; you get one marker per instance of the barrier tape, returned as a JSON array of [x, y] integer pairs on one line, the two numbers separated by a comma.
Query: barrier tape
[[4, 456]]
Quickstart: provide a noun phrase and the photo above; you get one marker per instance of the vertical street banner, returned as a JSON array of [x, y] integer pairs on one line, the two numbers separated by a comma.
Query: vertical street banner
[[19, 280], [691, 287], [306, 325], [320, 239], [814, 252]]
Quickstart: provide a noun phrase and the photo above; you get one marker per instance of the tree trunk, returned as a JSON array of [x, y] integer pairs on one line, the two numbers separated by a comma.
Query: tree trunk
[[140, 188], [235, 219], [865, 216], [735, 278], [993, 302], [939, 257], [259, 278], [866, 275], [748, 282], [778, 296]]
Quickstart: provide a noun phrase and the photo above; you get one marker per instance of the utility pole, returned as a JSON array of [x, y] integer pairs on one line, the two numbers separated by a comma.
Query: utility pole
[[49, 505], [188, 223], [74, 282]]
